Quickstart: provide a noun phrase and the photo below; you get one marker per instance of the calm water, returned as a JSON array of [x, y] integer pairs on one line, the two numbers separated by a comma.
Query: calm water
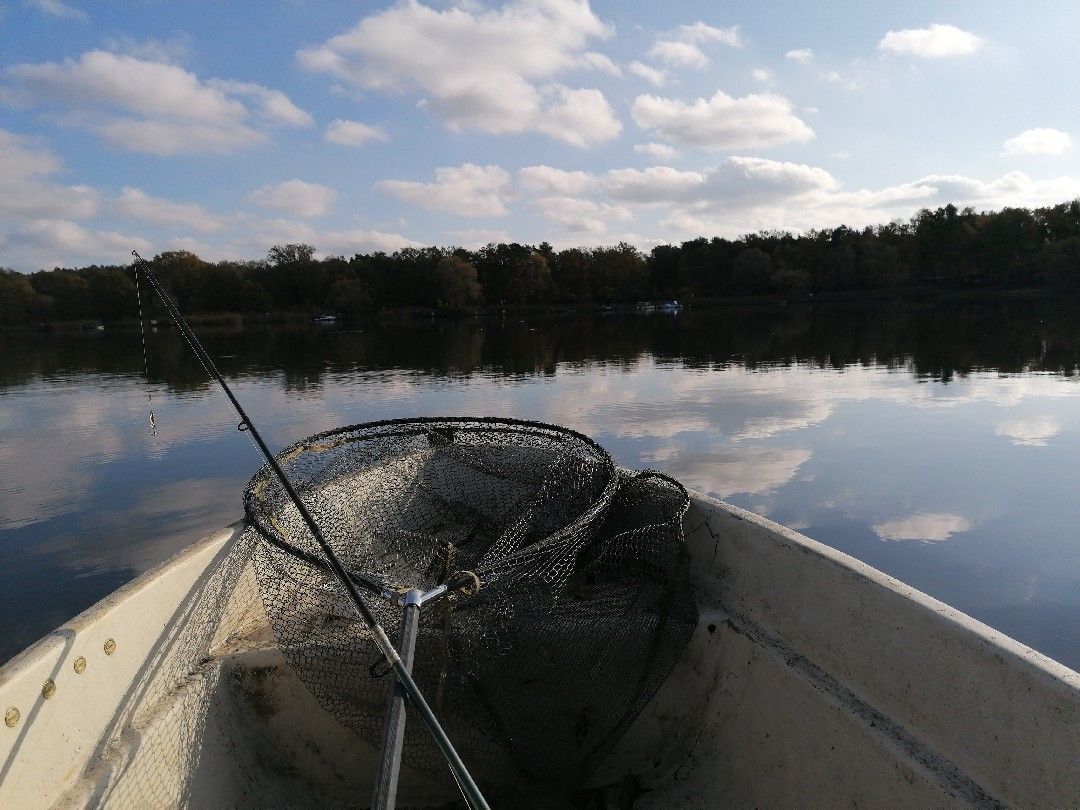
[[938, 443]]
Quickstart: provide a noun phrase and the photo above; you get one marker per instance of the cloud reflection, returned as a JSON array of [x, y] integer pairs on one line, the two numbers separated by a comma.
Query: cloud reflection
[[928, 527], [1029, 432], [751, 471]]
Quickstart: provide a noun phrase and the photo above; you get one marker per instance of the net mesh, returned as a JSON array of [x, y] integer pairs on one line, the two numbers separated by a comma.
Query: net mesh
[[583, 603]]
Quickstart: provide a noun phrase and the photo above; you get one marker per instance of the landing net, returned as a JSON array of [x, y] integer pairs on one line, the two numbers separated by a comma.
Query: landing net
[[576, 606]]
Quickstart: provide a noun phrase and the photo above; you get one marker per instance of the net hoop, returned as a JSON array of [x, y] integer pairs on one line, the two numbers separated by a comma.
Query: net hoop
[[259, 519]]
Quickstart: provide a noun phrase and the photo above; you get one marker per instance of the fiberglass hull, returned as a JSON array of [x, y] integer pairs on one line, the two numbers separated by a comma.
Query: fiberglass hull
[[811, 680]]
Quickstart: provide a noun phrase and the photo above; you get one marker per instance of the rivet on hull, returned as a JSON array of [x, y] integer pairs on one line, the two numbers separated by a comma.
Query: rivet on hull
[[48, 689], [110, 647], [11, 717], [80, 665]]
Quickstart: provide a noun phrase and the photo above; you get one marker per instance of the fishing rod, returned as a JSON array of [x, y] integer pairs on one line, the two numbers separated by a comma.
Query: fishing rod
[[401, 669]]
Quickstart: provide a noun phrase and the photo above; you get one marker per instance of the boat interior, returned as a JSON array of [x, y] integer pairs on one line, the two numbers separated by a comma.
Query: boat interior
[[810, 680]]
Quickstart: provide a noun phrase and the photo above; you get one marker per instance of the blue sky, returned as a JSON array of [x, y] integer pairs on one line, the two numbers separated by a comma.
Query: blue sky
[[224, 128]]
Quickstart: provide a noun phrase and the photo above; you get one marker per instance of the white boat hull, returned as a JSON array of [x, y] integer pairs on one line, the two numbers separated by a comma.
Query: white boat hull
[[812, 680]]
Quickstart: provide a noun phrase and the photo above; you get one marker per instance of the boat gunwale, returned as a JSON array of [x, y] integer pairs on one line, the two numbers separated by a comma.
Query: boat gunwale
[[87, 618], [944, 613]]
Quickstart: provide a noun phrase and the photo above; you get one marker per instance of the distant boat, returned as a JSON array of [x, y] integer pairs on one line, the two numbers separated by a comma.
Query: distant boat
[[324, 319], [670, 306]]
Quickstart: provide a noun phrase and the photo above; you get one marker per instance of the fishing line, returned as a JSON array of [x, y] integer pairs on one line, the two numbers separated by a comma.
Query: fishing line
[[146, 365]]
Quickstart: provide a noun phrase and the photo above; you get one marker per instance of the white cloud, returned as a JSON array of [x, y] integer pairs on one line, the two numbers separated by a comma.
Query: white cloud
[[47, 243], [679, 48], [784, 205], [476, 238], [744, 194], [22, 157], [149, 106], [851, 78], [167, 138], [359, 240], [722, 122], [136, 203], [58, 9], [763, 75], [736, 182], [476, 69], [353, 133], [580, 215], [1029, 432], [579, 117], [657, 184], [273, 105], [25, 191], [295, 197], [653, 76], [929, 527], [554, 181], [1038, 141], [174, 50], [467, 190], [804, 56], [1011, 189], [700, 32], [746, 179], [21, 199], [597, 61], [679, 54], [934, 42], [262, 234], [657, 151]]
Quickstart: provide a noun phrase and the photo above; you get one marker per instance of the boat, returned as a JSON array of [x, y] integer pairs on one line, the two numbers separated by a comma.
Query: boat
[[811, 679], [670, 306], [327, 319]]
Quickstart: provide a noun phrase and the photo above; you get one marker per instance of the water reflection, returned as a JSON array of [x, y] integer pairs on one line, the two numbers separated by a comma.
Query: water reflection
[[1029, 432], [936, 443], [929, 527]]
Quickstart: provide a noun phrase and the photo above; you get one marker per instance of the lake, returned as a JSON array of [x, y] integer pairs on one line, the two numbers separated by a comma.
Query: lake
[[937, 442]]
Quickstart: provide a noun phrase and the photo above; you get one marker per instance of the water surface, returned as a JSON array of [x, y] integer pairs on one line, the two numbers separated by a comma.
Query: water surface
[[940, 444]]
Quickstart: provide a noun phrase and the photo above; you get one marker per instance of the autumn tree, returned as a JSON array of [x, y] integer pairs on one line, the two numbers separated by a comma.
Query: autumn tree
[[458, 282]]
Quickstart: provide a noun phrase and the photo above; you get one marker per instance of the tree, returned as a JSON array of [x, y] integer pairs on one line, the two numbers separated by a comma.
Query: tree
[[66, 293], [752, 270], [290, 254], [111, 293], [1063, 263], [18, 300], [293, 280], [530, 277], [458, 283], [350, 296]]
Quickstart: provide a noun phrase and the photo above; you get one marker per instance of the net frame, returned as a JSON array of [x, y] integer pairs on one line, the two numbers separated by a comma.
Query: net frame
[[264, 523], [494, 605]]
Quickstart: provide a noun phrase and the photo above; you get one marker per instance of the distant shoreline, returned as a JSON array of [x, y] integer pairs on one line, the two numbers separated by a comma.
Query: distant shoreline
[[925, 294]]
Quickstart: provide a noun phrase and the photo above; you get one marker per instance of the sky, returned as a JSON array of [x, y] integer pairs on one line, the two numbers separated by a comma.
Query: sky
[[227, 128]]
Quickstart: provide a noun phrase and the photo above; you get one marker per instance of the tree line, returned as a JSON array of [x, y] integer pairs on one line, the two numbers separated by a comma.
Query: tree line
[[945, 247]]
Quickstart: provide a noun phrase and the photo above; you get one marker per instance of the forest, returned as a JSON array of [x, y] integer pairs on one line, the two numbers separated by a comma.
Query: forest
[[946, 248]]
